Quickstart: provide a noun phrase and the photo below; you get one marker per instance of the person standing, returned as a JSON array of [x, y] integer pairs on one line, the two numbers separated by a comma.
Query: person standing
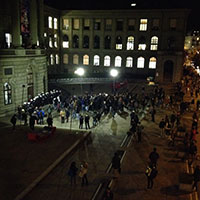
[[162, 126], [13, 121], [139, 132], [72, 172], [50, 121], [32, 120], [154, 156], [83, 173], [81, 122], [87, 121]]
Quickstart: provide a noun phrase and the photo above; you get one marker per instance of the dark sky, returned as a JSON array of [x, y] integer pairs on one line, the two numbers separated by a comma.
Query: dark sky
[[193, 21]]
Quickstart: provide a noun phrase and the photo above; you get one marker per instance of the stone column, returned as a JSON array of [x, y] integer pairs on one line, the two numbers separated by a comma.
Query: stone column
[[33, 22], [16, 42], [41, 22]]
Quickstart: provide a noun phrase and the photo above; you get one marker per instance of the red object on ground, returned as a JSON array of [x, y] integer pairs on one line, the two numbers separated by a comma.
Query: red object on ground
[[40, 136]]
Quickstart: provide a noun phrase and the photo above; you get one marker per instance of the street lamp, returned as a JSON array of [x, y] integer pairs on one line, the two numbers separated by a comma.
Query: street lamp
[[80, 72], [114, 73]]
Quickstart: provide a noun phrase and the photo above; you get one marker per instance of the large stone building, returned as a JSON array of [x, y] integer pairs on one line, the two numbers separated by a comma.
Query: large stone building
[[36, 39]]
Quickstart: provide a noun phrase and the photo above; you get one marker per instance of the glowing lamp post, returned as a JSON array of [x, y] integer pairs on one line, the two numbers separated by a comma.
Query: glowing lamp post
[[114, 73], [80, 72]]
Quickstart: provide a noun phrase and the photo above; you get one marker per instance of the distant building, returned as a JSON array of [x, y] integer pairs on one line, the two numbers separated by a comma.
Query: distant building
[[36, 40]]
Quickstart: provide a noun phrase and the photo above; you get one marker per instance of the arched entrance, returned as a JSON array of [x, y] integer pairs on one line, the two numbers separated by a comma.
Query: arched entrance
[[168, 71]]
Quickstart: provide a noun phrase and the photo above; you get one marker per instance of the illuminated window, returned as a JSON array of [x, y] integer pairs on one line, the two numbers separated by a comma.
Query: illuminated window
[[50, 22], [143, 24], [96, 42], [107, 42], [130, 43], [118, 42], [55, 21], [75, 41], [66, 24], [50, 42], [140, 62], [154, 43], [7, 94], [86, 60], [172, 24], [51, 59], [57, 59], [152, 63], [108, 24], [86, 41], [55, 41], [96, 60], [75, 59], [65, 41], [76, 24], [129, 62], [8, 39], [131, 24], [118, 61], [86, 24], [65, 59], [107, 61]]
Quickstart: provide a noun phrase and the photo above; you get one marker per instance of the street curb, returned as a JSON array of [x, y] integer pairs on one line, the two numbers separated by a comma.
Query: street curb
[[51, 167]]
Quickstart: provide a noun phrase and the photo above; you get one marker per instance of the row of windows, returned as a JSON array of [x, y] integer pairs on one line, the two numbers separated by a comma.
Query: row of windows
[[130, 43], [108, 24], [106, 61]]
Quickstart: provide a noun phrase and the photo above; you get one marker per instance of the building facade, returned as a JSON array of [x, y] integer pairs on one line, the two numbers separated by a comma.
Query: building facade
[[139, 43], [38, 42], [23, 63]]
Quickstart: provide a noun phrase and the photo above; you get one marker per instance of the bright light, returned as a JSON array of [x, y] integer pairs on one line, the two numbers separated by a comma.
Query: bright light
[[113, 72], [80, 71], [133, 4]]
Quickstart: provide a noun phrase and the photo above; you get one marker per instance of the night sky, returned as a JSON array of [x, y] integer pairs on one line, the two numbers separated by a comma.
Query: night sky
[[193, 20]]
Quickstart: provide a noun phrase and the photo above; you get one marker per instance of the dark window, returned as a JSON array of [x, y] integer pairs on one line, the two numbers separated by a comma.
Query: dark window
[[75, 41], [8, 71], [86, 42], [119, 25], [107, 42], [96, 42]]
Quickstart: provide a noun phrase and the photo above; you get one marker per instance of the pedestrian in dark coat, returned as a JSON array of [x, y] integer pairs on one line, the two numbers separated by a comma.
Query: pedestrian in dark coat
[[108, 195], [50, 121], [196, 176], [154, 156], [151, 173], [87, 121], [116, 165], [81, 122], [32, 120], [72, 172], [13, 120]]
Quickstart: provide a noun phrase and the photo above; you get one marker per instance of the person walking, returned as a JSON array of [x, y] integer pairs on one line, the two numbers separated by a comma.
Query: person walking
[[139, 129], [116, 165], [108, 195], [154, 156], [32, 120], [162, 126], [151, 172], [196, 177], [13, 121], [72, 172], [83, 173]]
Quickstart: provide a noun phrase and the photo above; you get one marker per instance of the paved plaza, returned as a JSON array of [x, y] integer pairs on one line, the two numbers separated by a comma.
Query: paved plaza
[[38, 170]]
